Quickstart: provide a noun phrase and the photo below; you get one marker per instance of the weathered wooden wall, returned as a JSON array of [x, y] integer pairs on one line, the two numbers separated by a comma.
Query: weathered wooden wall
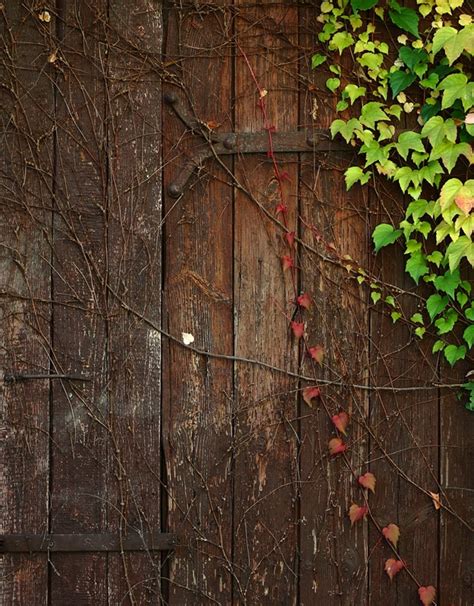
[[100, 278]]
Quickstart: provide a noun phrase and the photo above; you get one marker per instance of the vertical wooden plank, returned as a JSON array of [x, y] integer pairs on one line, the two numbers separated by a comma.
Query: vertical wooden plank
[[405, 426], [134, 234], [265, 510], [456, 576], [333, 555], [197, 392], [26, 102], [79, 448]]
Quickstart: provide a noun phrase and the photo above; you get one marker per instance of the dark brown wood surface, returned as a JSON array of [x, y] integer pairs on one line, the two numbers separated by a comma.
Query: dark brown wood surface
[[103, 270], [134, 295], [79, 332], [26, 177], [198, 300], [266, 470]]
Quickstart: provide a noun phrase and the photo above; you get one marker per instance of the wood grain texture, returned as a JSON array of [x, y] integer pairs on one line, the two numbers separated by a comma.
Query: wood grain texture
[[197, 392], [334, 225], [134, 245], [80, 265], [405, 427], [266, 472], [457, 489], [26, 101]]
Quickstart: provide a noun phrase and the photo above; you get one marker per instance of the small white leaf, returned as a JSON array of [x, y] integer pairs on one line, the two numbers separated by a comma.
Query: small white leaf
[[187, 338]]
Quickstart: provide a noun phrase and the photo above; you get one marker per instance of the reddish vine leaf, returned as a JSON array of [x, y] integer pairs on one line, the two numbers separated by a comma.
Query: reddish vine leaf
[[317, 353], [356, 513], [290, 238], [336, 446], [287, 262], [341, 421], [391, 533], [427, 595], [281, 208], [309, 393], [393, 567], [284, 176], [298, 329], [368, 481], [304, 300]]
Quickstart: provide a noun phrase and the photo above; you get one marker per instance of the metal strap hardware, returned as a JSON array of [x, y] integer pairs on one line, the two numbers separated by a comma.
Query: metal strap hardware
[[29, 543], [222, 144]]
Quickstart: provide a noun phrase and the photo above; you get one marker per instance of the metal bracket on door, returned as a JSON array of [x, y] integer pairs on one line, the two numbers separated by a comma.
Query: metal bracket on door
[[223, 144], [32, 543]]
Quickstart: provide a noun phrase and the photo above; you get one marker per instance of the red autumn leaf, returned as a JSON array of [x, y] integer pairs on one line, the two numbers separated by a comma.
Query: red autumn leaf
[[290, 238], [356, 513], [281, 208], [341, 421], [427, 595], [304, 300], [287, 262], [298, 329], [464, 201], [336, 446], [393, 567], [368, 481], [270, 127], [309, 393], [317, 353], [391, 533]]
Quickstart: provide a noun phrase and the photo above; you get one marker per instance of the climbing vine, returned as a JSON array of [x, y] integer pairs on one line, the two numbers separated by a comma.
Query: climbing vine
[[410, 116]]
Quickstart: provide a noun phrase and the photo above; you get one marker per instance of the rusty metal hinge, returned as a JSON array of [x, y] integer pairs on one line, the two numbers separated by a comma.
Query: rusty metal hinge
[[30, 543], [241, 143]]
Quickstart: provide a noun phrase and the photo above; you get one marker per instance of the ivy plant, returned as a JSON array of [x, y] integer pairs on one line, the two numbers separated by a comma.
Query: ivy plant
[[423, 78]]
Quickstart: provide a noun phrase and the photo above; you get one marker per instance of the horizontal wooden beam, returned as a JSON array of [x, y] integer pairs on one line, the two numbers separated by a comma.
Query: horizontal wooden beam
[[29, 543]]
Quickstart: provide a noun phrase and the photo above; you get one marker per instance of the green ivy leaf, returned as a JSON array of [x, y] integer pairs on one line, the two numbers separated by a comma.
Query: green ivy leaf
[[454, 87], [363, 5], [395, 315], [413, 57], [420, 331], [354, 92], [399, 81], [404, 176], [417, 318], [453, 353], [441, 37], [384, 235], [340, 41], [468, 335], [371, 113], [405, 18], [429, 110], [450, 152], [462, 247], [438, 346], [375, 296], [455, 46], [448, 282], [416, 266], [469, 387], [332, 84], [469, 313], [346, 129], [447, 322], [435, 305], [409, 141], [317, 60], [355, 174]]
